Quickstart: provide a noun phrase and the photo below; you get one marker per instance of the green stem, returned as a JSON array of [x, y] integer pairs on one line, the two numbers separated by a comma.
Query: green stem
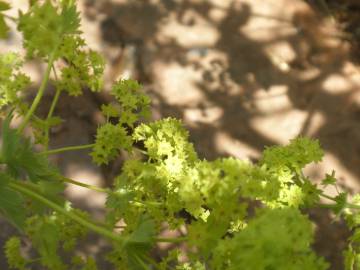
[[328, 197], [67, 148], [353, 206], [171, 240], [146, 203], [95, 188], [39, 94], [54, 102], [347, 205], [52, 107], [100, 230], [324, 205], [141, 262], [105, 190], [10, 17]]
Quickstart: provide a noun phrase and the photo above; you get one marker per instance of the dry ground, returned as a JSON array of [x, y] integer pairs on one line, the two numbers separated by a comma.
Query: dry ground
[[240, 74]]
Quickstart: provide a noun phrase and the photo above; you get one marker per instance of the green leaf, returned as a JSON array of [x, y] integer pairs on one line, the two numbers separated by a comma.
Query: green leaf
[[4, 6], [110, 139], [110, 110], [329, 179], [4, 29], [12, 81], [134, 103], [145, 231], [52, 190], [11, 203], [45, 25], [20, 158], [116, 203], [295, 156], [45, 236], [275, 239], [70, 19], [133, 255], [341, 202], [13, 254]]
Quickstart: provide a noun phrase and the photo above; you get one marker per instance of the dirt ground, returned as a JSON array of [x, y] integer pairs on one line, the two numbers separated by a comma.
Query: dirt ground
[[241, 74]]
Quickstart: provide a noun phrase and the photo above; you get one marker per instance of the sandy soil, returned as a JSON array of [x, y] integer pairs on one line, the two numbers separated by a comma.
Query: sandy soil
[[242, 75]]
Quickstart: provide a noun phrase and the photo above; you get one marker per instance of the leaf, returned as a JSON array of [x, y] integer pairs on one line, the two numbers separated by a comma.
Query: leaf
[[70, 19], [11, 203], [134, 254], [45, 236], [300, 152], [109, 110], [52, 190], [110, 139], [12, 81], [329, 179], [274, 239], [139, 244], [4, 29], [10, 140], [145, 231], [116, 203], [17, 153], [4, 6], [55, 21], [341, 201], [13, 254]]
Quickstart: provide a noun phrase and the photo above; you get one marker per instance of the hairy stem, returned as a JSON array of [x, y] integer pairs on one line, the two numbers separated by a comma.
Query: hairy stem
[[95, 188], [171, 240], [347, 205], [98, 229], [328, 197], [52, 107], [18, 186], [56, 97], [67, 148], [10, 17], [39, 94]]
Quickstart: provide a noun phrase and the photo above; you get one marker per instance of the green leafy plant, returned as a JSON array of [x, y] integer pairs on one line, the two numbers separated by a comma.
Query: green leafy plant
[[234, 214]]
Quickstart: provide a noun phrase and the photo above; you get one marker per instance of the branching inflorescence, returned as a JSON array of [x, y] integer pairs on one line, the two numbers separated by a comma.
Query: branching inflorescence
[[164, 182]]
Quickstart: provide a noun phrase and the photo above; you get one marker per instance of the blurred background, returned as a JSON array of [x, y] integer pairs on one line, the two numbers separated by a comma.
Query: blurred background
[[241, 74]]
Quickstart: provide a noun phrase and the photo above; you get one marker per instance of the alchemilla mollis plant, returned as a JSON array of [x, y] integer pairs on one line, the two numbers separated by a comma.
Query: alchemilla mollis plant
[[235, 215]]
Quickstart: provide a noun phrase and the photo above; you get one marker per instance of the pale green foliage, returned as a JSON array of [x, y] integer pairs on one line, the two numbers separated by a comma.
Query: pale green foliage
[[45, 26], [274, 239], [134, 104], [47, 247], [12, 81], [3, 26], [85, 264], [85, 69], [237, 215], [110, 139], [166, 139], [295, 156], [352, 253], [70, 232], [49, 234], [209, 191], [285, 163], [13, 254], [191, 266]]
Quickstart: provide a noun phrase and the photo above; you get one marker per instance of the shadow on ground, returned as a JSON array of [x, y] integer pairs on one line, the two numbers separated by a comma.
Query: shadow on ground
[[245, 75], [242, 75]]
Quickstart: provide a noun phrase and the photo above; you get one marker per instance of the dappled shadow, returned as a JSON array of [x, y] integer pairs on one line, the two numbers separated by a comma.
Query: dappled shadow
[[236, 69], [242, 64], [242, 76]]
